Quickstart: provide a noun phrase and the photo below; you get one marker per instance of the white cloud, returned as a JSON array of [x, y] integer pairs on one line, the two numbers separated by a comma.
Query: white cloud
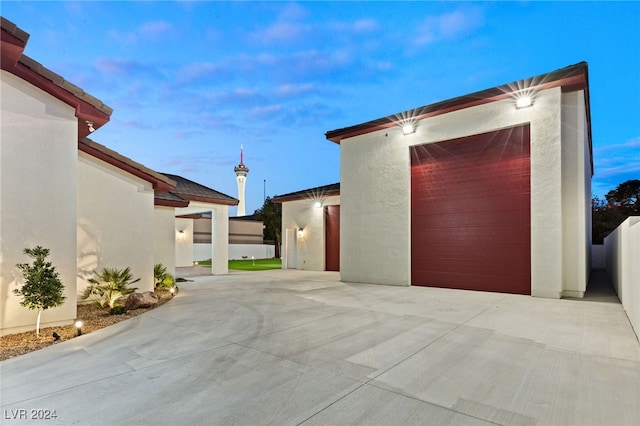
[[448, 26]]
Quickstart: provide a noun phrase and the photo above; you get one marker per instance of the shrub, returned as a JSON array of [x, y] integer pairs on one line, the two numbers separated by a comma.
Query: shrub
[[111, 285], [118, 310], [162, 279], [42, 287]]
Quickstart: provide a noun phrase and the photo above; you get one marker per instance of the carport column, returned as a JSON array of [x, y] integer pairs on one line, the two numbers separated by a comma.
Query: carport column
[[546, 195], [220, 240]]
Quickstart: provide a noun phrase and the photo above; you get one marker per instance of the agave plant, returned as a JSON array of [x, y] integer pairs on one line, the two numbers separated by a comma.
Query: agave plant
[[161, 278], [111, 284]]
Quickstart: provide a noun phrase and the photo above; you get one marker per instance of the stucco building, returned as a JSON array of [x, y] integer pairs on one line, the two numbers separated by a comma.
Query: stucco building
[[91, 206], [488, 191]]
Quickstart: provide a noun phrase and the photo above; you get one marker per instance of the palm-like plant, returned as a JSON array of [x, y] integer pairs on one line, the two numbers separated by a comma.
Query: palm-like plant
[[161, 278], [111, 285]]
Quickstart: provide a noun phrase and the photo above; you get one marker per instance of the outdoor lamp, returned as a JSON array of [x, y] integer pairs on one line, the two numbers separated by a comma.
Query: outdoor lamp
[[172, 290], [317, 204], [408, 128], [524, 102], [300, 232], [78, 325]]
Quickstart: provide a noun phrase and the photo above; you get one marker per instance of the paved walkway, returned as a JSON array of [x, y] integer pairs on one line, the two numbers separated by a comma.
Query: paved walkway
[[294, 347]]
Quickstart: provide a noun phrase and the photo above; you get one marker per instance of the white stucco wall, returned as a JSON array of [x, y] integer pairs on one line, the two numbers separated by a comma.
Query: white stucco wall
[[576, 196], [164, 237], [375, 191], [622, 251], [183, 235], [309, 247], [38, 183], [115, 222], [219, 234]]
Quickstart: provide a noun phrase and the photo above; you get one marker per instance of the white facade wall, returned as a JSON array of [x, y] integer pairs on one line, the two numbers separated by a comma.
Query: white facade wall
[[115, 222], [576, 196], [375, 190], [38, 184], [219, 235], [622, 249], [184, 242], [306, 251], [164, 237]]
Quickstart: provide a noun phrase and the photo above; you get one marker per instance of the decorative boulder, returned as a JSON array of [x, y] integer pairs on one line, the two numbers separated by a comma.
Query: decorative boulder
[[148, 299]]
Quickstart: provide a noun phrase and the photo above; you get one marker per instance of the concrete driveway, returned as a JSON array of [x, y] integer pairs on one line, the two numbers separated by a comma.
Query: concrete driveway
[[294, 347]]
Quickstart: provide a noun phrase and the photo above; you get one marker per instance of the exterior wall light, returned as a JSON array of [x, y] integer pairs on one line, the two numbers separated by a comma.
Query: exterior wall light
[[79, 325], [524, 102], [408, 128], [300, 232], [317, 204], [181, 235]]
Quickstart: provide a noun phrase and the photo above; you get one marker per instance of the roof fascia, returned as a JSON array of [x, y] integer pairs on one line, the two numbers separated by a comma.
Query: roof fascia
[[569, 79], [160, 183], [232, 202]]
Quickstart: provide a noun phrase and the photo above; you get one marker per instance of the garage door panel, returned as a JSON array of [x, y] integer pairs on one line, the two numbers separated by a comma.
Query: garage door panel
[[488, 282], [470, 212], [492, 203], [513, 267], [465, 235], [475, 218]]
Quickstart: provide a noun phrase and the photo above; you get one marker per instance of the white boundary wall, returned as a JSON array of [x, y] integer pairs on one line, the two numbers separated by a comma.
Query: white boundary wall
[[598, 256], [202, 251], [622, 248]]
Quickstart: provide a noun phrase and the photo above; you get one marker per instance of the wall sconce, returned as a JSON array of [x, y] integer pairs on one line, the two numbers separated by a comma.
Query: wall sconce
[[408, 128], [524, 101], [317, 204], [181, 235], [300, 232]]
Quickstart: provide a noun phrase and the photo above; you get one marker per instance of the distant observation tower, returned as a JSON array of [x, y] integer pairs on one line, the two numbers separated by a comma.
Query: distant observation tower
[[241, 177]]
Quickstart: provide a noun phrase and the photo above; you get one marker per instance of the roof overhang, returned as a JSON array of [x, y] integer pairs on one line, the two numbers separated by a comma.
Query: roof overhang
[[160, 182], [12, 60], [208, 200], [569, 79], [316, 193]]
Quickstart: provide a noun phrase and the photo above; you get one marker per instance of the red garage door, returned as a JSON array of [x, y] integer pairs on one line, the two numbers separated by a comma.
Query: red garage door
[[332, 238], [470, 213]]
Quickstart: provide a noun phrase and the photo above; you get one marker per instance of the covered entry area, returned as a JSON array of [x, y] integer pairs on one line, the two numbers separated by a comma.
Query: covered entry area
[[470, 212]]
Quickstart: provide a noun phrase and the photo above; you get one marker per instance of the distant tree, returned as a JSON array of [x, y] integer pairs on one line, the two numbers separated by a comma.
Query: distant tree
[[626, 197], [271, 215], [622, 202], [42, 287]]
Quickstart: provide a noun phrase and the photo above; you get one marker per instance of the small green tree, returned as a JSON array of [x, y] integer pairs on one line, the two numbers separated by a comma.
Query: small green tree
[[42, 287], [111, 285], [161, 278]]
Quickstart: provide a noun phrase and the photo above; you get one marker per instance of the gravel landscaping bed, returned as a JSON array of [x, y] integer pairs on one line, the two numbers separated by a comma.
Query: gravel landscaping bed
[[92, 316]]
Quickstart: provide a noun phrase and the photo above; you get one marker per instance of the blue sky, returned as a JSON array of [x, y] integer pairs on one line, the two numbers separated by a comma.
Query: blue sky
[[190, 82]]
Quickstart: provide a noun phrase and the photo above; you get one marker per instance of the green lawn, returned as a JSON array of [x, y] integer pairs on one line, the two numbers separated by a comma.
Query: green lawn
[[249, 265], [255, 265]]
